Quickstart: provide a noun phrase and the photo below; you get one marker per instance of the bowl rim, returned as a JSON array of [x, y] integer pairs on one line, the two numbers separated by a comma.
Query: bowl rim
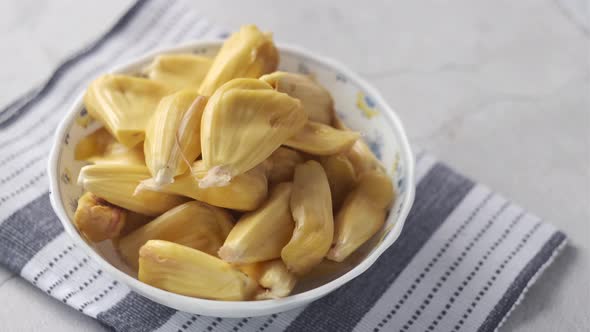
[[235, 308]]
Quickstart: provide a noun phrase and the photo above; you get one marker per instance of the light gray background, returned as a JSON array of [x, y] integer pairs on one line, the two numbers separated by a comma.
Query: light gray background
[[500, 89]]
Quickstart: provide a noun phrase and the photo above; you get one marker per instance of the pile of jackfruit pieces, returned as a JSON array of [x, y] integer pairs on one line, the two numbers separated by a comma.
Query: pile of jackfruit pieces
[[223, 178]]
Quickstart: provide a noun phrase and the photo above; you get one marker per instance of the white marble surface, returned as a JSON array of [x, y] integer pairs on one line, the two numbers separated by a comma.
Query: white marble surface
[[499, 89]]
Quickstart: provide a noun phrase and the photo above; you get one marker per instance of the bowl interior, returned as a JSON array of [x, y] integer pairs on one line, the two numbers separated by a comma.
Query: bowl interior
[[358, 107]]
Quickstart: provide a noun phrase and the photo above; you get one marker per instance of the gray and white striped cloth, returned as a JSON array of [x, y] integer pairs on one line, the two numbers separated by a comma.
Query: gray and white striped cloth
[[463, 261]]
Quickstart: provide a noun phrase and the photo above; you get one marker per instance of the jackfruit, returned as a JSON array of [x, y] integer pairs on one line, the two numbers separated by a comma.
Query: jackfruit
[[322, 140], [179, 71], [187, 271], [341, 176], [245, 192], [273, 276], [116, 184], [100, 147], [281, 165], [362, 214], [311, 208], [98, 220], [317, 101], [192, 224], [261, 235], [359, 154], [124, 104], [172, 136], [247, 53], [243, 123]]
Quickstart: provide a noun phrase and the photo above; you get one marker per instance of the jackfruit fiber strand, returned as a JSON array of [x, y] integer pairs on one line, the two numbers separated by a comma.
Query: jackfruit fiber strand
[[172, 136], [244, 193]]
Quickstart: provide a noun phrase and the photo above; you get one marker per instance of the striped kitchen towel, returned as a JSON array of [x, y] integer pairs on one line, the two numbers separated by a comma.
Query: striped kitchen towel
[[464, 260]]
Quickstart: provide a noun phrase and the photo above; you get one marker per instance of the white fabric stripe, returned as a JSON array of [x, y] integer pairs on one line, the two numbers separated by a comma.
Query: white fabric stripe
[[281, 321], [20, 200], [442, 297], [505, 279], [110, 299], [430, 248], [44, 257], [91, 276], [253, 324], [84, 271]]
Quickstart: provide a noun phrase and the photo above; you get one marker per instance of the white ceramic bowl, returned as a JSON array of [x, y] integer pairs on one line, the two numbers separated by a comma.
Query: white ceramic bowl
[[359, 105]]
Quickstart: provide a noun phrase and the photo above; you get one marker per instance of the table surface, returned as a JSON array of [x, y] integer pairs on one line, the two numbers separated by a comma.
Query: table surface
[[499, 89]]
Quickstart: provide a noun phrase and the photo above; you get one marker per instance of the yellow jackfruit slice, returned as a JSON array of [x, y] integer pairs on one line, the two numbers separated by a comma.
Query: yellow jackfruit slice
[[116, 184], [341, 176], [172, 136], [244, 193], [124, 104], [179, 71], [187, 271], [362, 214], [247, 53], [98, 220], [322, 140], [311, 207], [281, 165], [192, 224], [317, 101], [261, 235], [273, 276], [243, 123]]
